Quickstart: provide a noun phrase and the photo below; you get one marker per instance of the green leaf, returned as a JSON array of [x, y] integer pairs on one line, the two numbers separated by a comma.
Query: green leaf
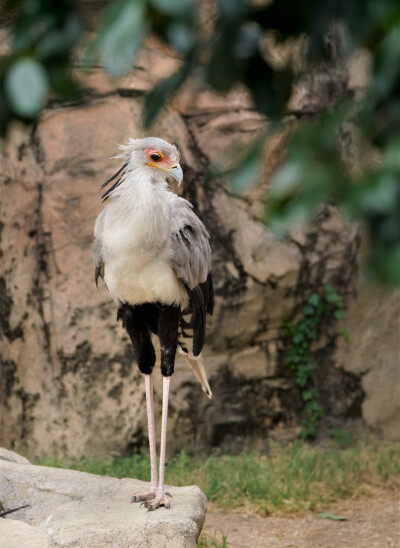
[[181, 37], [123, 27], [286, 180], [309, 430], [330, 515], [231, 10], [247, 40], [385, 263], [310, 394], [58, 40], [312, 406], [297, 338], [221, 72], [307, 395], [157, 97], [174, 8], [332, 297], [246, 173], [26, 87], [329, 289], [308, 310], [339, 314], [313, 299]]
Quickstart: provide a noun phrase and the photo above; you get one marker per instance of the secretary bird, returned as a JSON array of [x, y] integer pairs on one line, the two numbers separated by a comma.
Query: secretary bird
[[154, 256]]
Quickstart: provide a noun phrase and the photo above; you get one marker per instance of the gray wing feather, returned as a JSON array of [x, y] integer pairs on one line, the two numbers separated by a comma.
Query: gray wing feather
[[191, 253], [98, 248]]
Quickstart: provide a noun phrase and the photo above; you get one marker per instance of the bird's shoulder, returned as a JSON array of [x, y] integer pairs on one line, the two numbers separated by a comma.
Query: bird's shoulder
[[180, 205], [183, 215]]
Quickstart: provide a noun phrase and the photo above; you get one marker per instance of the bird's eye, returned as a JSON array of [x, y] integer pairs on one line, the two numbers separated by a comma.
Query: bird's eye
[[155, 157]]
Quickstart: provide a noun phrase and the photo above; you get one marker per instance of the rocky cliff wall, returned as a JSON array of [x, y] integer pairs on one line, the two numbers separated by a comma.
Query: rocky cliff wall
[[67, 379]]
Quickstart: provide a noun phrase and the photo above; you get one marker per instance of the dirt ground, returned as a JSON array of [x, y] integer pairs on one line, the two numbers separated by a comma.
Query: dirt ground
[[372, 522]]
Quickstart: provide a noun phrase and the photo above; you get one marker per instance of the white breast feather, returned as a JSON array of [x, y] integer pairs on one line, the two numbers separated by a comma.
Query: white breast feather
[[136, 243]]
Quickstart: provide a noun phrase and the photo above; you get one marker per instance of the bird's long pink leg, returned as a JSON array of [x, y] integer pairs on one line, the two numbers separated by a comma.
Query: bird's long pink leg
[[161, 496], [152, 434], [164, 420], [148, 379]]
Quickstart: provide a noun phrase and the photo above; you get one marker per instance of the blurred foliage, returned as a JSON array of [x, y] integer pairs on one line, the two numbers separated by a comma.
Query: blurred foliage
[[318, 308], [44, 33], [229, 50]]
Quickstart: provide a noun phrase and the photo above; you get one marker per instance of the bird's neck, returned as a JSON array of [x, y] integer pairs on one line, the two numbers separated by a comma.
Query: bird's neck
[[142, 189], [144, 199]]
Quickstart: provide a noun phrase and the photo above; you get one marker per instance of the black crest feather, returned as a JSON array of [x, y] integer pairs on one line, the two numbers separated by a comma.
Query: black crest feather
[[120, 172]]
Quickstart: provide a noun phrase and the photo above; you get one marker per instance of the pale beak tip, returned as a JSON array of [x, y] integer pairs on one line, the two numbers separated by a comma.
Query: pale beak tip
[[177, 174]]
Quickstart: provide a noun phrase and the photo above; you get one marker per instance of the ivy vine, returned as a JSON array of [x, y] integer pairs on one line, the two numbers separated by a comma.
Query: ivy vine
[[319, 307]]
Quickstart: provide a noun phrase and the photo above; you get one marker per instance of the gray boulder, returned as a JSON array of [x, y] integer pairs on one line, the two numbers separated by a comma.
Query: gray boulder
[[67, 508], [17, 534]]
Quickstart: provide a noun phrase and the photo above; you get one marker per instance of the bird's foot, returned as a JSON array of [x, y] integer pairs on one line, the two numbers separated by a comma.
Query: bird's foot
[[144, 497], [161, 499]]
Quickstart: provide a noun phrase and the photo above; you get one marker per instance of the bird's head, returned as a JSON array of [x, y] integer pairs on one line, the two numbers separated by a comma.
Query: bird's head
[[154, 154]]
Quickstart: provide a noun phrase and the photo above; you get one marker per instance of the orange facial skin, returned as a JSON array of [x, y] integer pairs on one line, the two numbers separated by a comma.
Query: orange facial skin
[[163, 163]]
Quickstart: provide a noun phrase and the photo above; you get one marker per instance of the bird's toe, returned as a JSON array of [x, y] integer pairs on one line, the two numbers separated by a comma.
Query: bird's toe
[[157, 502], [144, 497]]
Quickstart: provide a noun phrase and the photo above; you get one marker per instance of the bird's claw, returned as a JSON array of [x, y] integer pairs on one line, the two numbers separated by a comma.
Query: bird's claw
[[158, 501], [152, 501], [143, 497]]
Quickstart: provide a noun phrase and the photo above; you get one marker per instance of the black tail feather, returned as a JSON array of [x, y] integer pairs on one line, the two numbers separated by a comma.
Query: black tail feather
[[201, 301], [198, 320], [207, 289]]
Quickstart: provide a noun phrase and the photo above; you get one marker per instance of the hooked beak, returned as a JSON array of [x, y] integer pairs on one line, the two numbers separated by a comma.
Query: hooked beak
[[177, 173]]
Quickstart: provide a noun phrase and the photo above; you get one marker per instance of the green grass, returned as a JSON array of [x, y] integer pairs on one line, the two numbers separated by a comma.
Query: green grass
[[290, 479], [205, 541]]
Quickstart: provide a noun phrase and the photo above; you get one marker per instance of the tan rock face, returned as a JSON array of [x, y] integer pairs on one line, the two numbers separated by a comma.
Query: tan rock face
[[67, 377], [373, 323]]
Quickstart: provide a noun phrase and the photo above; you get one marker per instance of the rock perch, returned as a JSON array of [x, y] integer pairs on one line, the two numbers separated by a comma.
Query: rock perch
[[74, 509]]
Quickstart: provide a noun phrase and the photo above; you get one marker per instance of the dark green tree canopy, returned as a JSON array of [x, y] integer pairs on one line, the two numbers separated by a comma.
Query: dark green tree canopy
[[233, 48]]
